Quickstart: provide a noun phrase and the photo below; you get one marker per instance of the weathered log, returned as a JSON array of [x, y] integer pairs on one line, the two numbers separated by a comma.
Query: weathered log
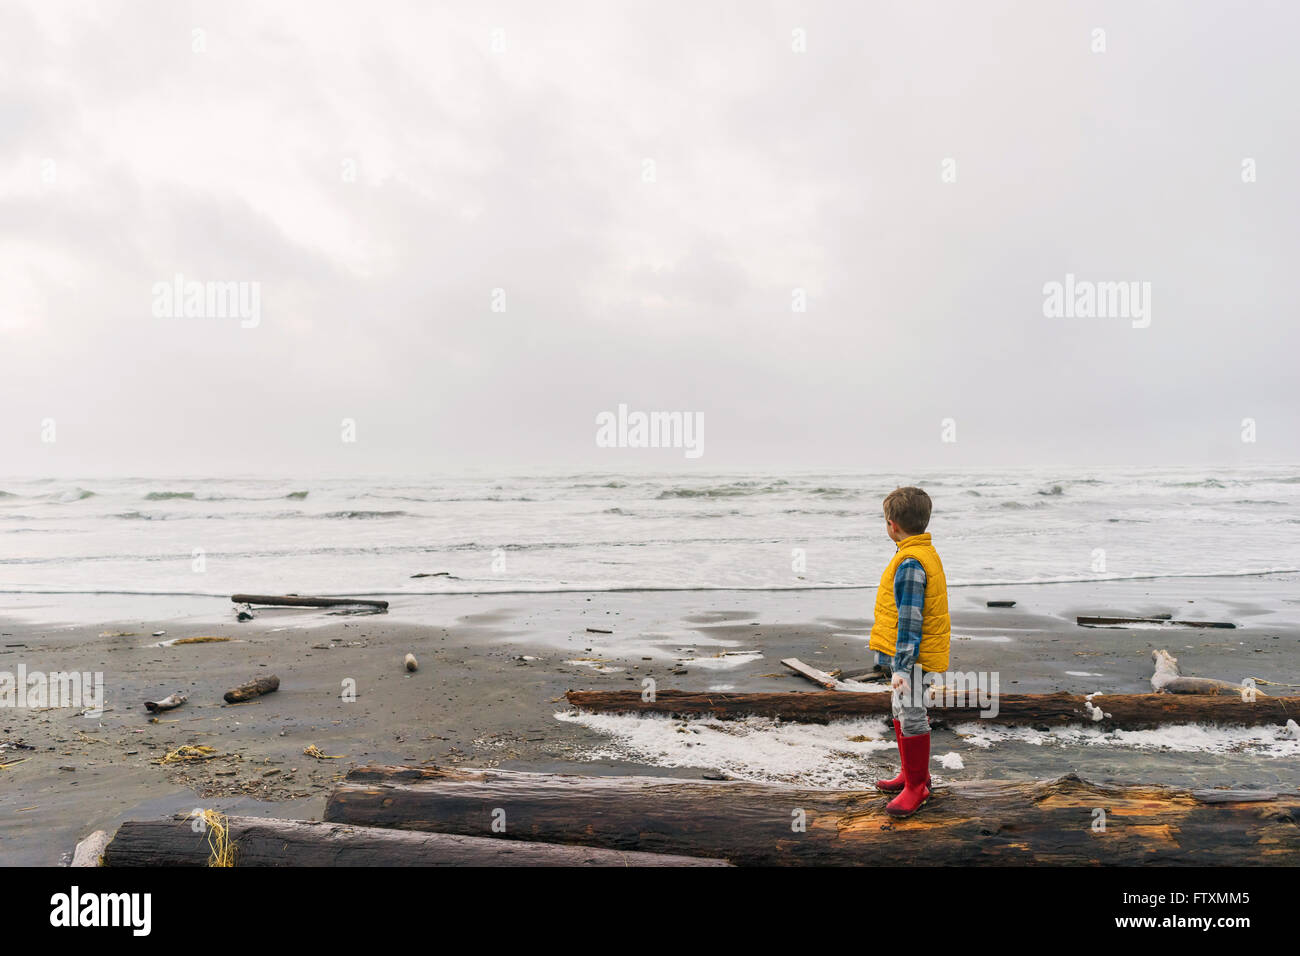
[[989, 823], [254, 688], [1164, 620], [270, 842], [1124, 711], [294, 600]]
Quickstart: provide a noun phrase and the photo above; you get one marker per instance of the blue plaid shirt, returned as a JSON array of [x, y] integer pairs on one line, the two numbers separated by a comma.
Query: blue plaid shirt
[[909, 596]]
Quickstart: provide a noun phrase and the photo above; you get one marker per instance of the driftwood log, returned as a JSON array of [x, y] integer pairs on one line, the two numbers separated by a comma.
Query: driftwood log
[[828, 681], [1123, 711], [269, 842], [254, 688], [1062, 821], [294, 600]]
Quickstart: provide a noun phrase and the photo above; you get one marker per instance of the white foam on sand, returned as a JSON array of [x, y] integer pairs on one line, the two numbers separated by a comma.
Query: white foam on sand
[[1264, 741], [761, 749], [600, 666], [756, 748], [723, 661]]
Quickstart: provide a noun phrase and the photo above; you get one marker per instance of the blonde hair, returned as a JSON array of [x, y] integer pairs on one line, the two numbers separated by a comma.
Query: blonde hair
[[909, 508]]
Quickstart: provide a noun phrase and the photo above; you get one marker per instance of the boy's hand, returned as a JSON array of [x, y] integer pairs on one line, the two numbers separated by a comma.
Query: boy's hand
[[899, 682]]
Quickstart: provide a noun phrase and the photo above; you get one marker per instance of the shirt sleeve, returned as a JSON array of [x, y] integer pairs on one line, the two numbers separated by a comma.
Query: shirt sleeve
[[909, 596]]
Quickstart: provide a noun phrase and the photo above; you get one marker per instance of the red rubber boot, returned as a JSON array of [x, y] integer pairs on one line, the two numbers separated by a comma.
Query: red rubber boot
[[916, 776], [896, 785]]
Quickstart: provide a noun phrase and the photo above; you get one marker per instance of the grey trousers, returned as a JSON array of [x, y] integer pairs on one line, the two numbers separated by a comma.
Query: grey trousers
[[909, 708]]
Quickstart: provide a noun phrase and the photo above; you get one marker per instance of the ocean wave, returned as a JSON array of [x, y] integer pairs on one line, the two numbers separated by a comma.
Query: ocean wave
[[169, 495], [438, 500], [733, 489], [363, 514], [76, 494], [190, 516], [483, 587]]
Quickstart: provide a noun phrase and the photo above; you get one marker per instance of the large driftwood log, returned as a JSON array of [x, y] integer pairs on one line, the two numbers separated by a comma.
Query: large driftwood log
[[1125, 711], [1053, 821], [294, 600], [269, 842]]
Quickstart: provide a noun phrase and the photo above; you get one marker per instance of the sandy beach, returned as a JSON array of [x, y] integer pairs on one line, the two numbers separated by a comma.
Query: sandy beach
[[494, 669]]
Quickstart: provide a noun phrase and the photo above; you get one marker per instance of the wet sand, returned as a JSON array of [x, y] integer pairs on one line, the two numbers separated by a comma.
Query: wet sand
[[477, 700]]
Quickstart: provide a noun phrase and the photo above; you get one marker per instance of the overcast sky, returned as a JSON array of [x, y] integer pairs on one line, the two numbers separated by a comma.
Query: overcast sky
[[649, 183]]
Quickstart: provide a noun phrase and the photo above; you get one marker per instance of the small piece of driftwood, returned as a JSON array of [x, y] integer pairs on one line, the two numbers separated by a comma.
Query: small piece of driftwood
[[254, 688], [999, 603], [90, 850], [826, 681], [294, 600], [169, 702], [870, 673]]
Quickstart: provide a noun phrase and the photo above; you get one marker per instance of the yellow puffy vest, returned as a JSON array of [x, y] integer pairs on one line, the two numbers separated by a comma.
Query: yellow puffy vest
[[936, 627]]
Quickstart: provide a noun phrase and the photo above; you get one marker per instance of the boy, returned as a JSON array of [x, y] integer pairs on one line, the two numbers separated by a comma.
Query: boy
[[911, 631]]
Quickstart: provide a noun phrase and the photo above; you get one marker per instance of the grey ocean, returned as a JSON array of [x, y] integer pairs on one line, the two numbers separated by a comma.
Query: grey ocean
[[205, 536]]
